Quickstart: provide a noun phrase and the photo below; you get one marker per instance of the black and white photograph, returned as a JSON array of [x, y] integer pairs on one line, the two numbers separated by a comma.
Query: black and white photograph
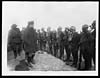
[[50, 38]]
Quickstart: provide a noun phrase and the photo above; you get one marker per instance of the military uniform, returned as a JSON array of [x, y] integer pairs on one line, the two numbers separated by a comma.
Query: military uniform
[[14, 40], [49, 40], [30, 42], [93, 45], [85, 44], [54, 41], [66, 46], [93, 41], [75, 47], [39, 40], [61, 45]]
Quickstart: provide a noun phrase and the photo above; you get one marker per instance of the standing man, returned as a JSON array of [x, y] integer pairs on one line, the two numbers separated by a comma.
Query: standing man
[[14, 40], [93, 41], [74, 45], [54, 43], [30, 42], [85, 45], [43, 39], [39, 39], [66, 44], [49, 40], [61, 42]]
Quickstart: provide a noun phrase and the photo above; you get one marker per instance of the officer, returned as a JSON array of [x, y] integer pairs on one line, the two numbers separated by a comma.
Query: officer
[[74, 45], [14, 40], [85, 43], [30, 42]]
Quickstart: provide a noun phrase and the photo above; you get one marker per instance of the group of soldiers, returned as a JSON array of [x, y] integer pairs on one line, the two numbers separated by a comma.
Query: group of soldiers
[[57, 43]]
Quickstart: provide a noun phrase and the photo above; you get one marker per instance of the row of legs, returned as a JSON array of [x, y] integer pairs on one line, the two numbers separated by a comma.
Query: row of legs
[[88, 56], [76, 54]]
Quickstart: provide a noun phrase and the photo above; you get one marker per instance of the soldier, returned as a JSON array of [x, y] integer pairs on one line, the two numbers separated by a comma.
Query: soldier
[[43, 39], [22, 33], [74, 42], [14, 40], [39, 39], [54, 43], [49, 40], [85, 43], [30, 42], [93, 40], [61, 42], [66, 44]]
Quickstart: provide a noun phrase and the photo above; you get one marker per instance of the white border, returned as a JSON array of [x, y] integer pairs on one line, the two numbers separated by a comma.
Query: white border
[[40, 73]]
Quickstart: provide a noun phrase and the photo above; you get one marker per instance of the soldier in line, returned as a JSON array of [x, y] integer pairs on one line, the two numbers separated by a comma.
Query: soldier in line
[[30, 42], [39, 39], [43, 36], [61, 42], [49, 40], [14, 40], [66, 44], [22, 33], [85, 45], [93, 41], [74, 45], [54, 43]]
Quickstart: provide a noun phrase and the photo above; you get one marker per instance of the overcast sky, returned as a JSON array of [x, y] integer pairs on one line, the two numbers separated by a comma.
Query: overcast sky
[[53, 14]]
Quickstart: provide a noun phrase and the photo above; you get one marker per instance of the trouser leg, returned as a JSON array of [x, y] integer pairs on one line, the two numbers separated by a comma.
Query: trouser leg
[[55, 51], [61, 51], [19, 50], [66, 49], [50, 49], [68, 54], [75, 57], [14, 50], [80, 59], [88, 60]]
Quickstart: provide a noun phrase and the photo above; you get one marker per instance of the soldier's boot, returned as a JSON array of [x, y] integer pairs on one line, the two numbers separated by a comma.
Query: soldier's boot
[[75, 58], [79, 66], [29, 62], [87, 64], [74, 64], [61, 56], [50, 50]]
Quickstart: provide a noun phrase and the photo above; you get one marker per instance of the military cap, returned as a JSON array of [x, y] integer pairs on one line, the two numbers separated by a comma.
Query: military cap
[[13, 26], [49, 28], [67, 28], [72, 28], [59, 28], [85, 26], [30, 22]]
